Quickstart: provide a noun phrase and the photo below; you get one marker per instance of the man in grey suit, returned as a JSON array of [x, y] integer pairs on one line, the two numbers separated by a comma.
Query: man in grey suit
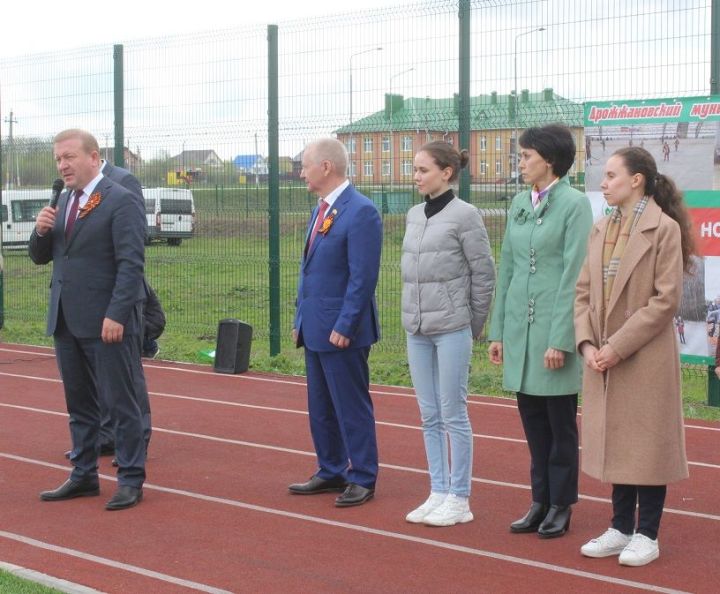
[[106, 436], [95, 239]]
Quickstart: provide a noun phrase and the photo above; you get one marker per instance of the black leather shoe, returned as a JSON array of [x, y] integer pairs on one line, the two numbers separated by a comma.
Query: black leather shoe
[[556, 523], [531, 521], [124, 497], [318, 485], [354, 495], [70, 489]]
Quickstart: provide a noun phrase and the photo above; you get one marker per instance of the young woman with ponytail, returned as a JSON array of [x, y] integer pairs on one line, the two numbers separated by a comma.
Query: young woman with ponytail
[[628, 292]]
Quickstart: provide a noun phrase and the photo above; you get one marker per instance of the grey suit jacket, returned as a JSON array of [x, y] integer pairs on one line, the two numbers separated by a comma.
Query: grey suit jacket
[[123, 177], [98, 272]]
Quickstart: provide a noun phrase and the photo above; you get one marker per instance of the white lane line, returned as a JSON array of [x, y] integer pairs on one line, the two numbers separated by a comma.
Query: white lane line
[[304, 413], [344, 525], [410, 469], [111, 563], [301, 382]]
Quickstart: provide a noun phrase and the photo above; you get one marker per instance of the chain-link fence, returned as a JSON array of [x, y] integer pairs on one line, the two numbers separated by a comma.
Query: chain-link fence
[[191, 113]]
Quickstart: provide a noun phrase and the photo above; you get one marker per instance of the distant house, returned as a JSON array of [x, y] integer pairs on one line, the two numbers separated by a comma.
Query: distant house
[[285, 165], [132, 161], [197, 160], [297, 164], [251, 164]]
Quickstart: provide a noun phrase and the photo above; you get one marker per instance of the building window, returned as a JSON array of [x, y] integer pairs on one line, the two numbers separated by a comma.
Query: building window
[[386, 168], [368, 147], [350, 145], [498, 143], [483, 167], [483, 143], [368, 169], [386, 144], [498, 167], [353, 169], [407, 144], [407, 168]]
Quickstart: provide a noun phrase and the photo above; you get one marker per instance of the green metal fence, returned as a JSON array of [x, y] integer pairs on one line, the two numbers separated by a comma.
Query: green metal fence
[[219, 112]]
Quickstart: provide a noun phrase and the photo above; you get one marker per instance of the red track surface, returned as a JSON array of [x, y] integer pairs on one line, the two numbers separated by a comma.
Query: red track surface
[[217, 515]]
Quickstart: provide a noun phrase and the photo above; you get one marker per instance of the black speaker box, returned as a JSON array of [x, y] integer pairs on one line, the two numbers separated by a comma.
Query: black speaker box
[[232, 353]]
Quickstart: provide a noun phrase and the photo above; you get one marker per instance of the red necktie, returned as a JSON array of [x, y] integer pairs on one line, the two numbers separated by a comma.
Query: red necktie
[[318, 222], [73, 213]]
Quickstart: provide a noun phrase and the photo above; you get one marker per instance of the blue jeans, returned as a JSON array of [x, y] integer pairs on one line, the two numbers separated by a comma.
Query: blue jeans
[[439, 367]]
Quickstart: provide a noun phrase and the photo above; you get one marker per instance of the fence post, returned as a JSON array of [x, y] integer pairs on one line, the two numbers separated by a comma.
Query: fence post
[[464, 96], [119, 95], [274, 191]]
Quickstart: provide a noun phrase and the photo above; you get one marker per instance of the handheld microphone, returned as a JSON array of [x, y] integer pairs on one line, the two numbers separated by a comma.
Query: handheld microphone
[[57, 188]]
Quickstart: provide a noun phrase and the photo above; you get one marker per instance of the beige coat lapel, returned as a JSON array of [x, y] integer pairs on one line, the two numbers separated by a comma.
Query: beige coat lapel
[[636, 247]]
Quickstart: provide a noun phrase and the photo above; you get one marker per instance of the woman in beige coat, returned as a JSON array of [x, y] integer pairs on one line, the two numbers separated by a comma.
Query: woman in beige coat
[[627, 294]]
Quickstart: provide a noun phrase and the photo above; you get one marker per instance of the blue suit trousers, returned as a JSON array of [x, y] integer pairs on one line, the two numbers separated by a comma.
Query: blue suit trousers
[[342, 421]]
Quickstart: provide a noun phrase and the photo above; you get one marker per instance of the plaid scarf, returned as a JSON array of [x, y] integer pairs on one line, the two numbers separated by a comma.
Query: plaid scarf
[[616, 238]]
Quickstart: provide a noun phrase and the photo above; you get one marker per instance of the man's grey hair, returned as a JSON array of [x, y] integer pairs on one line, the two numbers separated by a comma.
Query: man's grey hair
[[329, 149]]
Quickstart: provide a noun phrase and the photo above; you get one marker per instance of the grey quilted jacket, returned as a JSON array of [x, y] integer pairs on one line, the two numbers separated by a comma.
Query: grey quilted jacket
[[447, 269]]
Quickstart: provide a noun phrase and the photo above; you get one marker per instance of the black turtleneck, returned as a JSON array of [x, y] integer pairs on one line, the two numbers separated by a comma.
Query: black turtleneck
[[435, 205]]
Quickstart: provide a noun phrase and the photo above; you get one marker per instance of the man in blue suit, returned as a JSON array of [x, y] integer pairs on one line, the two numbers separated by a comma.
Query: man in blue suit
[[95, 239], [337, 322]]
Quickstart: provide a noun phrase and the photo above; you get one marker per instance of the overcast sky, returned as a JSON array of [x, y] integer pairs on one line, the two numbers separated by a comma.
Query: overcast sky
[[33, 26]]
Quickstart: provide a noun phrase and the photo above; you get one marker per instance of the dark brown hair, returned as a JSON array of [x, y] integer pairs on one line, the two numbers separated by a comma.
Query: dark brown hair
[[554, 143], [664, 191], [446, 155]]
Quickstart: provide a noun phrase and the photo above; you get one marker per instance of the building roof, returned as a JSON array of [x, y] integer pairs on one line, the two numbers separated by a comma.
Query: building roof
[[487, 112], [195, 157], [247, 161]]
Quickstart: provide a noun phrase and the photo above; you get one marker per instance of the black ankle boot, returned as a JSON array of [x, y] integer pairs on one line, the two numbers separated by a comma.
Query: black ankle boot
[[531, 521], [556, 523]]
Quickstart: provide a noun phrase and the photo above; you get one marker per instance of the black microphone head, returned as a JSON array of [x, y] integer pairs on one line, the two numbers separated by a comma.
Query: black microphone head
[[57, 188]]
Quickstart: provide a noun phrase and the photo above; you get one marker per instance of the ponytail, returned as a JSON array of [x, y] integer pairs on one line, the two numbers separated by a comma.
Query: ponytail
[[670, 199]]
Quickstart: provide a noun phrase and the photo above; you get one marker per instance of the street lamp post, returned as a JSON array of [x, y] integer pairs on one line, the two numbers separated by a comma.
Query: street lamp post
[[517, 104], [392, 140], [367, 51]]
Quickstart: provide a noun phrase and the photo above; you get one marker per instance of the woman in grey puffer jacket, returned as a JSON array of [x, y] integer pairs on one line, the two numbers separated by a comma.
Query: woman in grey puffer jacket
[[448, 280]]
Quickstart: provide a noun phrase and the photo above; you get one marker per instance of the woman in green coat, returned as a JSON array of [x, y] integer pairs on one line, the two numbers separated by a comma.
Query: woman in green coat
[[532, 331]]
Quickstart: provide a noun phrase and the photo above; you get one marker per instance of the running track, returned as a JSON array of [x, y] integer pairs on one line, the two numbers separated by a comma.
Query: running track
[[217, 516]]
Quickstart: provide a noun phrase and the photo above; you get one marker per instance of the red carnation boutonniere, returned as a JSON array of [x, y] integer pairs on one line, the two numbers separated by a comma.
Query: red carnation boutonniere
[[93, 201], [327, 222]]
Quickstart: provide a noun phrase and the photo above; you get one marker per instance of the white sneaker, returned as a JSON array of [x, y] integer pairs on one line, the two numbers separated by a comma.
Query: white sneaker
[[454, 510], [417, 515], [640, 551], [612, 542]]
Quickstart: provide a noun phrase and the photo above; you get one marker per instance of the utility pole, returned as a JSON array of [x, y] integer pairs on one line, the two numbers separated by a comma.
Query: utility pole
[[11, 120]]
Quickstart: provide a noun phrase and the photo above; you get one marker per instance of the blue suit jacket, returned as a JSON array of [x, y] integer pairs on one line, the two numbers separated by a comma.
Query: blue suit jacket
[[338, 276], [98, 272]]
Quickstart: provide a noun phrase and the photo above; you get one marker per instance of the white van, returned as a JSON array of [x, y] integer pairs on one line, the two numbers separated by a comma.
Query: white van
[[170, 214], [18, 212]]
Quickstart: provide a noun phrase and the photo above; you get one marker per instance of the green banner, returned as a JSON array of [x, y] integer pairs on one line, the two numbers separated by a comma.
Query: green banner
[[702, 198], [652, 111]]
